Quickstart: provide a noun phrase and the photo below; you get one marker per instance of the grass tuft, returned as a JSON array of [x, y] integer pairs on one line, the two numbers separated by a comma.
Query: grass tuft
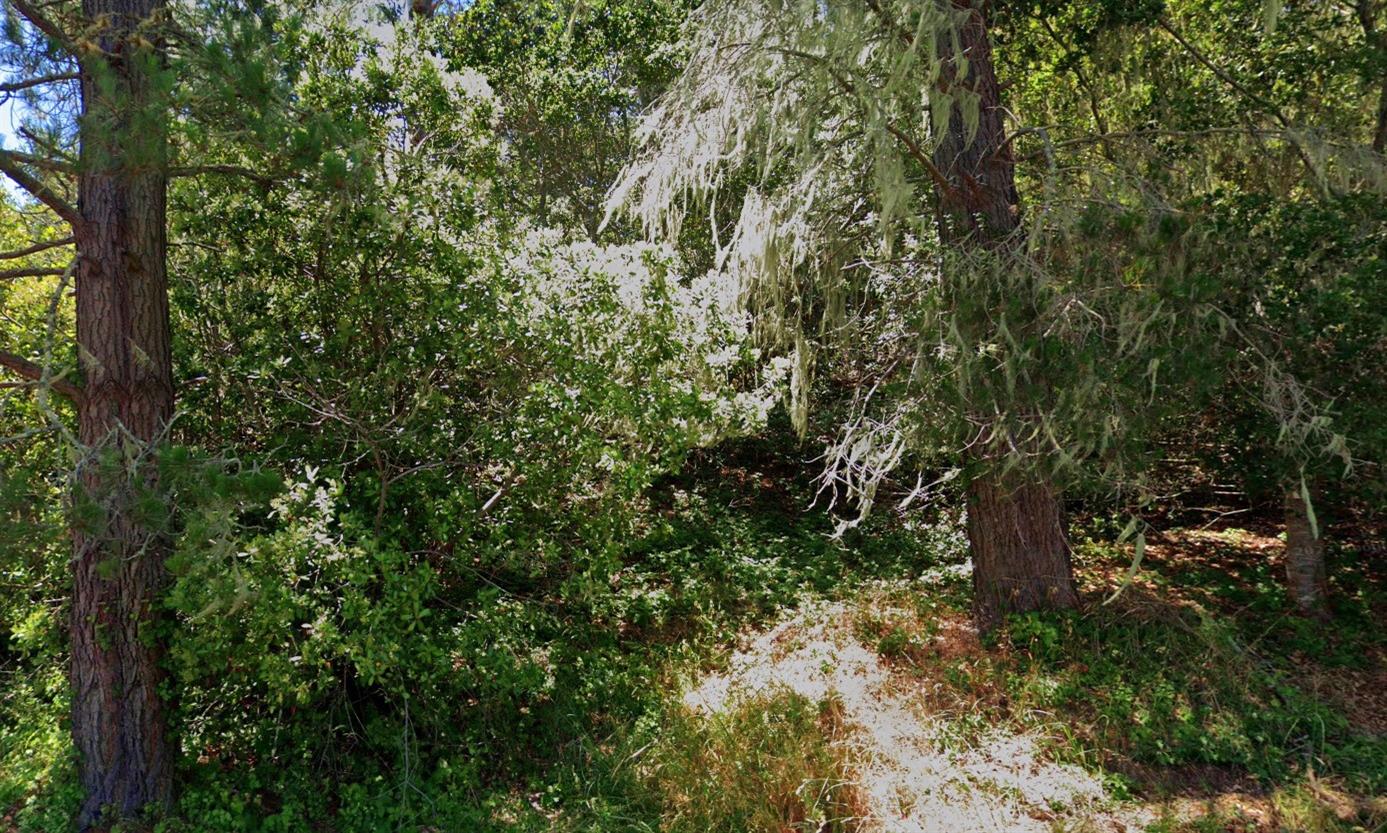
[[769, 765]]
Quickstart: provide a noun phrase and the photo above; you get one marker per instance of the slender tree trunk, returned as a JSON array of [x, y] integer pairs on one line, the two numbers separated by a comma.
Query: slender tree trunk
[[125, 759], [1015, 525], [1305, 573], [1367, 16], [1380, 131]]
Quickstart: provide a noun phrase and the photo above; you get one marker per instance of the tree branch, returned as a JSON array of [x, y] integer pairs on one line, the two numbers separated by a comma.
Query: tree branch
[[912, 147], [36, 248], [10, 167], [1268, 107], [41, 22], [27, 83], [1143, 134], [1079, 74], [918, 154], [35, 373], [55, 165], [42, 142], [12, 274], [887, 20]]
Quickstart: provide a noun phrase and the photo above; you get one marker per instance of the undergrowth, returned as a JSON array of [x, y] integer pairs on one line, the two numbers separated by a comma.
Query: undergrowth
[[768, 765], [1189, 683], [361, 688]]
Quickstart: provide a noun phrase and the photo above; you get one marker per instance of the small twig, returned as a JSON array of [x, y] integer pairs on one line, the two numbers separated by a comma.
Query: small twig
[[27, 83]]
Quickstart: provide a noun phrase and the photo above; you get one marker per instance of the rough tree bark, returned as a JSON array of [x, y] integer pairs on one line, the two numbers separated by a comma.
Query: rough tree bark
[[1020, 555], [1015, 524], [118, 718], [1305, 572]]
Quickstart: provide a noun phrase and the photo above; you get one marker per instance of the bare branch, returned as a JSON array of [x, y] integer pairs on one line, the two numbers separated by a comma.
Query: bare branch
[[33, 372], [12, 274], [28, 83], [10, 166], [1144, 134], [36, 248]]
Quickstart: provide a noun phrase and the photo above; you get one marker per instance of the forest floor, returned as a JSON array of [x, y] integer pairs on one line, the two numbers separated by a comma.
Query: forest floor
[[1153, 725], [1195, 701], [912, 771], [811, 685]]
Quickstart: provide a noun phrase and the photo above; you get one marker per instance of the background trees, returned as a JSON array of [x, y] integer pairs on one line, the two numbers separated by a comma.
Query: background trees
[[1236, 115], [570, 84], [878, 214]]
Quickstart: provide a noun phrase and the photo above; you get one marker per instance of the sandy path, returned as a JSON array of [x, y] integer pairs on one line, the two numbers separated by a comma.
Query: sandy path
[[911, 779]]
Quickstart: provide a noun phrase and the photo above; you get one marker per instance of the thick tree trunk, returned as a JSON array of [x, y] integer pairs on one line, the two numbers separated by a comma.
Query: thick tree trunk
[[125, 760], [1015, 526], [1305, 573], [1020, 555]]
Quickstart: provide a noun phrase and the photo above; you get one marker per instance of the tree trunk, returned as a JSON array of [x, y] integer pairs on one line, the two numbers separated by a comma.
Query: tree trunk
[[125, 760], [1015, 525], [1305, 573], [1380, 131], [980, 209], [1367, 17], [1020, 555]]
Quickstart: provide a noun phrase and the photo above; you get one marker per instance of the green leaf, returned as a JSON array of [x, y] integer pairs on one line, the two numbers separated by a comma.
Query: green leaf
[[1309, 508]]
